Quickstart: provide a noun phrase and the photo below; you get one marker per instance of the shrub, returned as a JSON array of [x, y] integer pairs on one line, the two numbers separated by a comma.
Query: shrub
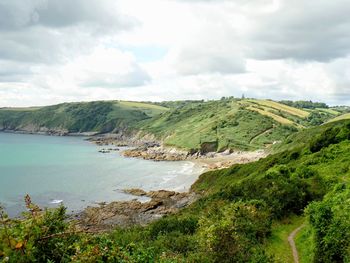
[[330, 220], [39, 236], [172, 224], [233, 234], [327, 138]]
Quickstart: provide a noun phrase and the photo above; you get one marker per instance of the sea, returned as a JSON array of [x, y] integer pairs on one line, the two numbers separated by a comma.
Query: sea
[[71, 171]]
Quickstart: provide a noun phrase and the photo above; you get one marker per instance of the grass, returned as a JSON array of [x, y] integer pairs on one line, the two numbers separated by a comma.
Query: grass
[[277, 244], [345, 116], [150, 109], [278, 106], [330, 111], [227, 123], [304, 243], [273, 116]]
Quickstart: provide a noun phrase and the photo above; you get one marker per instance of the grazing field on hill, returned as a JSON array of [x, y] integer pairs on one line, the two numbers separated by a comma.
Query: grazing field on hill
[[345, 116], [330, 111], [222, 124], [282, 107], [272, 115], [149, 109]]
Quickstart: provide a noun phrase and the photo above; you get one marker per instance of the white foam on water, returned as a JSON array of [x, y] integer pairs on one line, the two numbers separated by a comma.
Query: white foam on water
[[56, 201], [184, 174]]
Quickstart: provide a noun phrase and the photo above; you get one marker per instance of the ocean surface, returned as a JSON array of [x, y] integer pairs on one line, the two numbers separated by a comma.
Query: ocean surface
[[71, 170]]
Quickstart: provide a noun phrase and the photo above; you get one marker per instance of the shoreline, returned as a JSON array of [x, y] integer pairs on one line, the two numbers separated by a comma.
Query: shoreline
[[164, 201]]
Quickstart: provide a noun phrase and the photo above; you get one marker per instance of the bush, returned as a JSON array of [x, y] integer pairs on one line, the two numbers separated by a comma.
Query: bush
[[330, 136], [172, 224], [234, 233], [282, 192], [327, 138], [330, 220], [40, 236]]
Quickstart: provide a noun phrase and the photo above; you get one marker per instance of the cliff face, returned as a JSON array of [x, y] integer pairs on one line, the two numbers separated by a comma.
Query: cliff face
[[31, 128]]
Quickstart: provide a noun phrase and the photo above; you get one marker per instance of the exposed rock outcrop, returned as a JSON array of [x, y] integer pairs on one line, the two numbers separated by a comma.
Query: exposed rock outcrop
[[127, 213], [157, 153]]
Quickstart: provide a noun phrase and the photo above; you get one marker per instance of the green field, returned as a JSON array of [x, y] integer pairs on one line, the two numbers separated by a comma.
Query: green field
[[149, 109], [272, 115], [345, 116], [281, 107]]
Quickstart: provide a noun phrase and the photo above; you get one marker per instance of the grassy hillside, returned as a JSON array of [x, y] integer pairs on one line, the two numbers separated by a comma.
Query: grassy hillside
[[311, 166], [100, 116], [345, 116], [245, 214], [230, 123]]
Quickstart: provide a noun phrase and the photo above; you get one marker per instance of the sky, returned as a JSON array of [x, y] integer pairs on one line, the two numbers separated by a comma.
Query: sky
[[54, 51]]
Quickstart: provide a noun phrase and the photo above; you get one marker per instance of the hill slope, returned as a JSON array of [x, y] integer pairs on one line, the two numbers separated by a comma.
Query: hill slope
[[310, 173], [247, 124], [99, 116], [230, 124]]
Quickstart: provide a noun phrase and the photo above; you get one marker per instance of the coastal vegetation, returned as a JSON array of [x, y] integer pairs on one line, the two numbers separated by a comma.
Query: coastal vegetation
[[245, 214], [99, 116], [218, 125]]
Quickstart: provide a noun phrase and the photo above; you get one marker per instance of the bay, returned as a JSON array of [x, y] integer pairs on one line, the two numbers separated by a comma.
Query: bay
[[53, 169]]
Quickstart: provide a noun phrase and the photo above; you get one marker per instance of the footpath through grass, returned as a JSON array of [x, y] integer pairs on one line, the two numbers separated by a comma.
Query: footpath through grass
[[277, 244]]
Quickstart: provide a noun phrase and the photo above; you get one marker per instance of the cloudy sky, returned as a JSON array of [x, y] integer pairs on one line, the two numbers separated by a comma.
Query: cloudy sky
[[54, 51]]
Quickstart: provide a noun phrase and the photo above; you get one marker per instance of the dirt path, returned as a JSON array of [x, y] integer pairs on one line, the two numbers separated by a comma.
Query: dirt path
[[260, 134], [292, 243]]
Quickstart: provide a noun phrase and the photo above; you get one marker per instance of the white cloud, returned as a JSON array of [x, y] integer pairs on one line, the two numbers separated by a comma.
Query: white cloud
[[59, 50]]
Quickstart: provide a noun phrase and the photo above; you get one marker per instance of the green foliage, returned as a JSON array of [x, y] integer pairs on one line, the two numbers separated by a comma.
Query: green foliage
[[317, 118], [172, 224], [38, 237], [330, 220], [98, 116], [234, 232], [283, 193], [241, 216], [184, 124], [226, 122], [330, 136], [305, 244], [277, 243], [303, 104]]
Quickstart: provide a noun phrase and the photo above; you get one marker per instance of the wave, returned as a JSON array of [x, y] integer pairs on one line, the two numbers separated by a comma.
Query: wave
[[56, 201]]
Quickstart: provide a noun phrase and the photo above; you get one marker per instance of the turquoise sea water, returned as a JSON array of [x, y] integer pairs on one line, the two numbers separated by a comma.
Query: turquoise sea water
[[69, 169]]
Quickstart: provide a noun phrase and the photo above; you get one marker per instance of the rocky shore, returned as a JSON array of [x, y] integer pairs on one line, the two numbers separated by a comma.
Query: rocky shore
[[150, 149], [128, 213], [157, 153]]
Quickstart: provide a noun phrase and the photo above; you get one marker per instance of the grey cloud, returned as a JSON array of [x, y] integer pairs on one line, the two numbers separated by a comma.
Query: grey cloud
[[50, 31], [192, 61], [13, 72], [35, 45], [136, 77], [19, 14], [217, 49], [303, 30]]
